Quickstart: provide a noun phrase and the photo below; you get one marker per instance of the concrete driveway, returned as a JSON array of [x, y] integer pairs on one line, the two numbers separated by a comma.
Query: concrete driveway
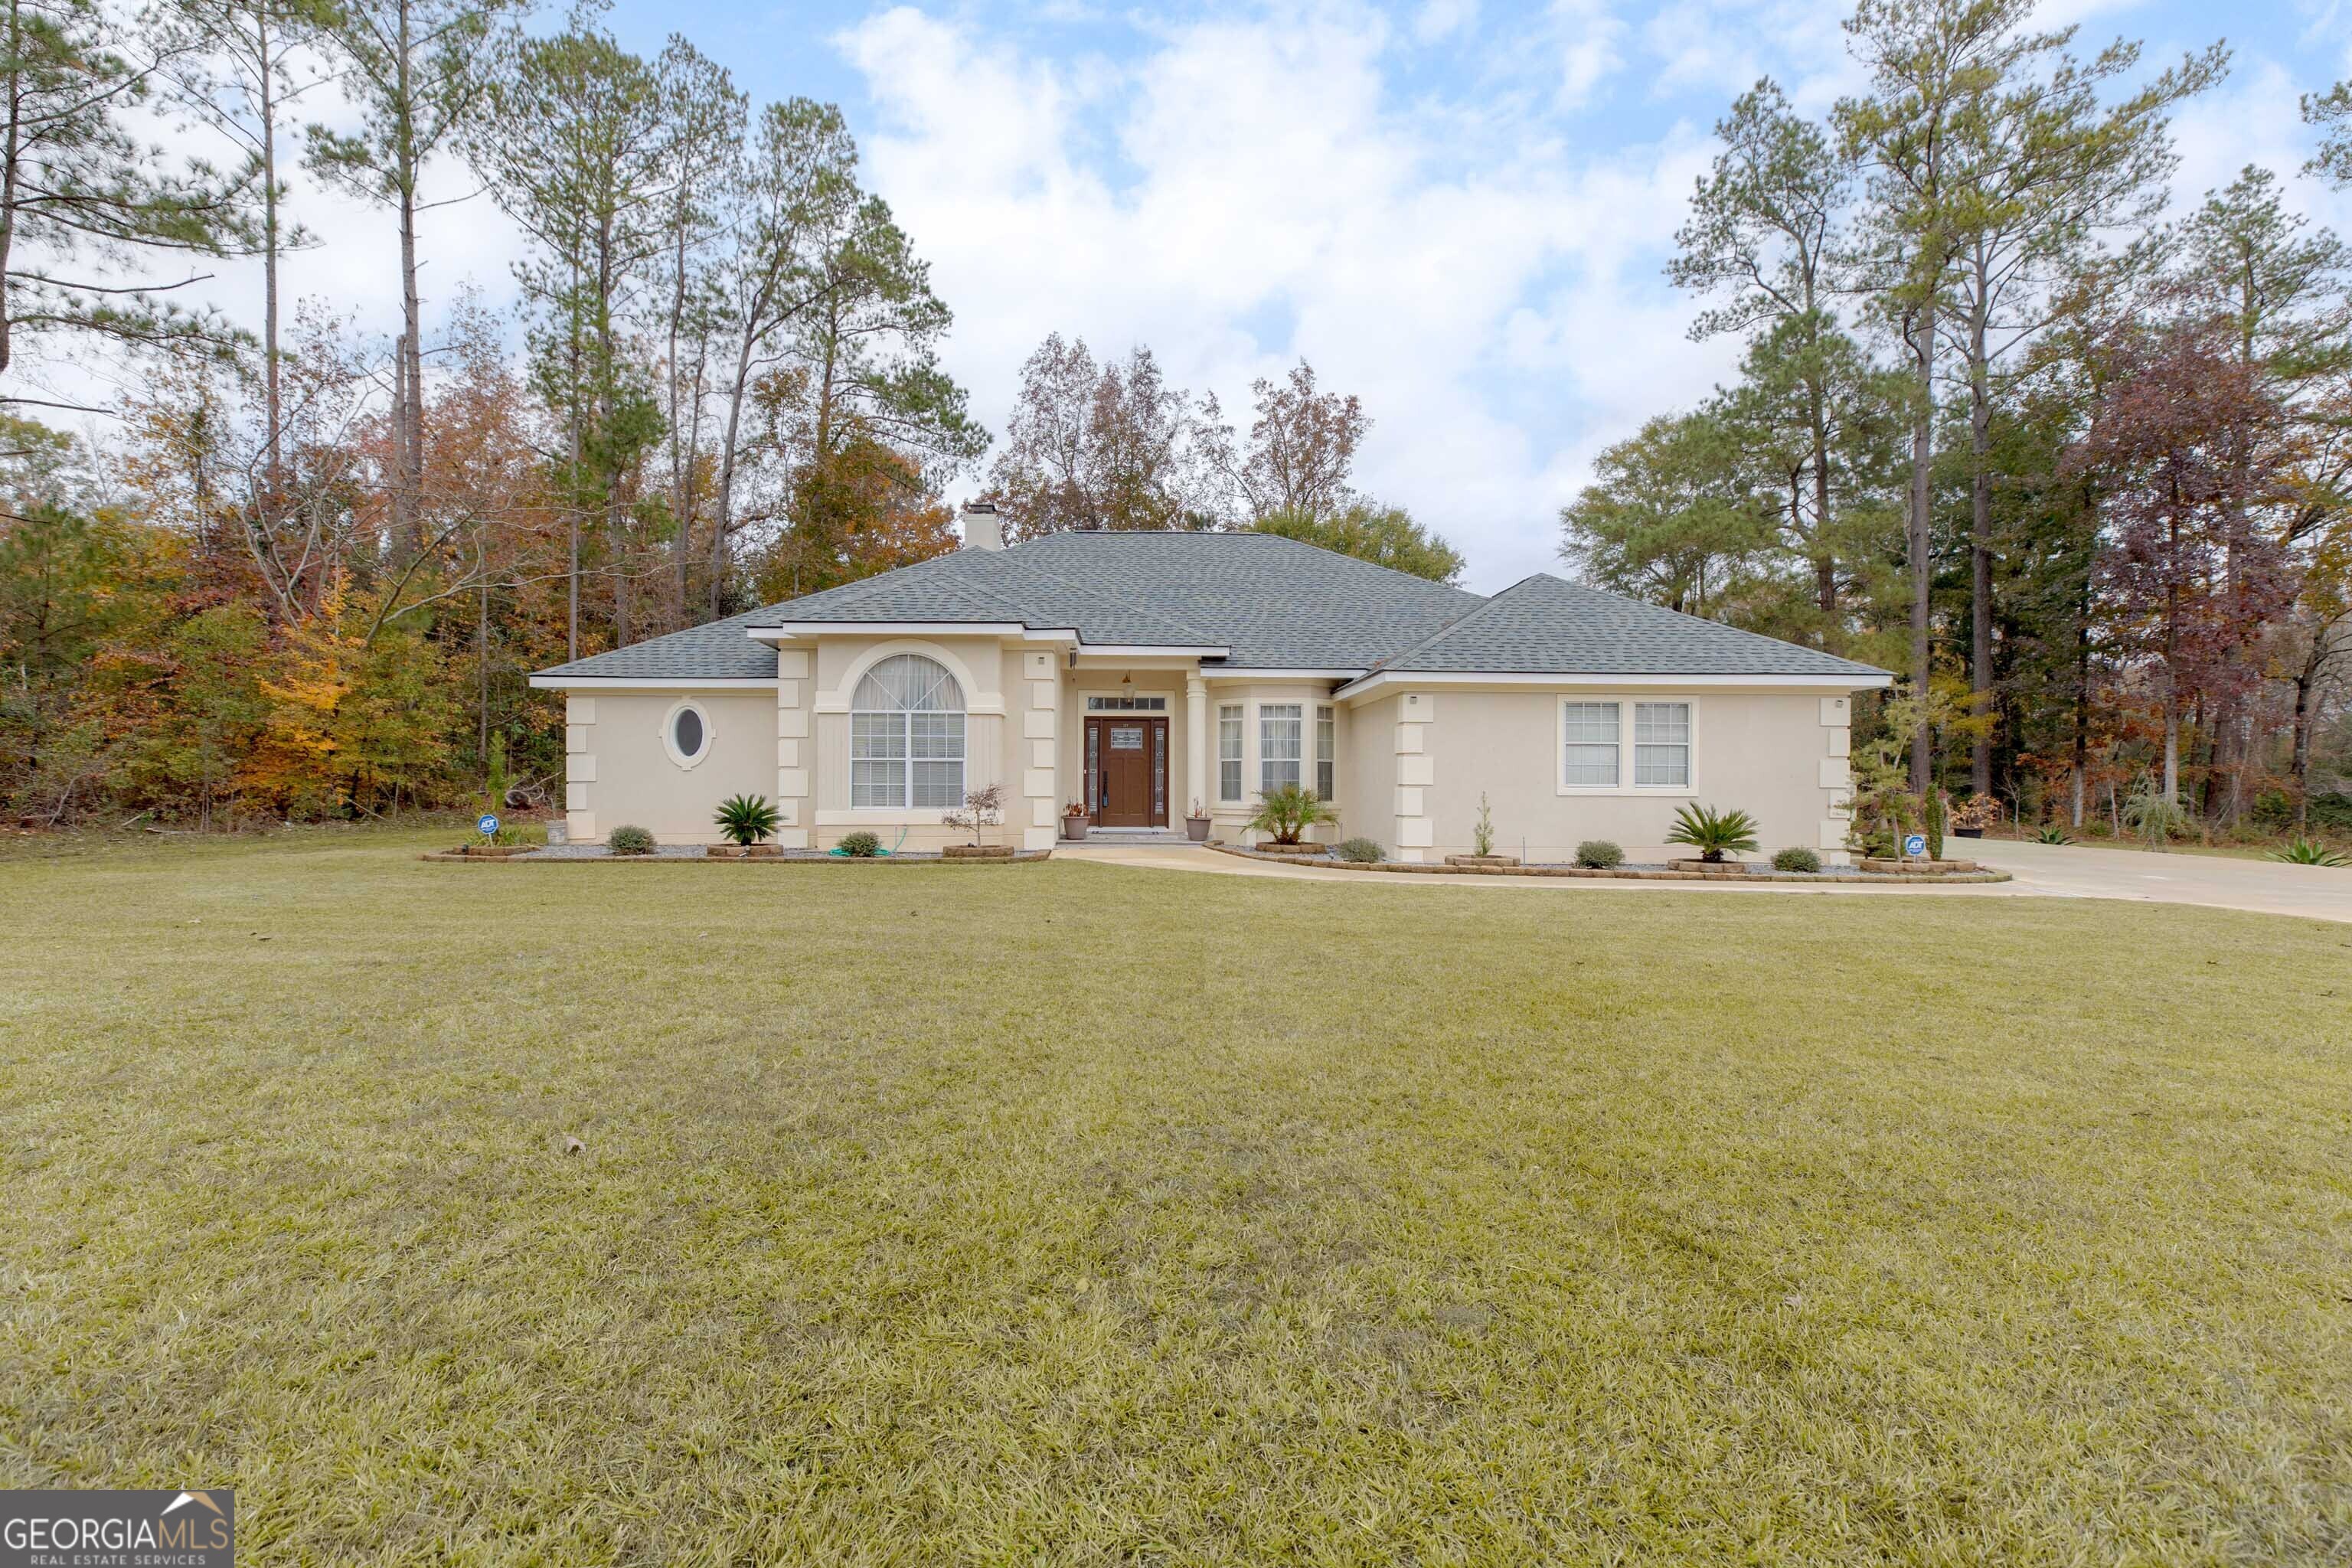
[[2077, 872], [2041, 870]]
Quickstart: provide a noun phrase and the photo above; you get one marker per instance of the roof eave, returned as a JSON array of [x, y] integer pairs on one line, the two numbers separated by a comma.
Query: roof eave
[[1858, 679]]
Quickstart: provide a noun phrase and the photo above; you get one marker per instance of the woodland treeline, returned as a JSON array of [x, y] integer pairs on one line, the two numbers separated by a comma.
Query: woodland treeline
[[2078, 472], [302, 571]]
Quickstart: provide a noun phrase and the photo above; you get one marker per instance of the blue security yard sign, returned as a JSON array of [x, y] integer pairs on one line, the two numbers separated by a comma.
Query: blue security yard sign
[[488, 824], [1915, 845]]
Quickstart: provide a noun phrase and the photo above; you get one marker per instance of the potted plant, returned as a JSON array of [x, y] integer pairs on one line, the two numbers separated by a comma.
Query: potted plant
[[1482, 839], [1286, 814], [1196, 826], [1973, 816], [983, 808], [746, 821], [1715, 834], [1075, 819]]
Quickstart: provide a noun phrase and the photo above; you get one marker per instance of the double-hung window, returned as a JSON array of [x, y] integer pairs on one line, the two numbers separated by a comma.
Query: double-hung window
[[1590, 741], [1279, 737], [1661, 744], [1229, 752], [906, 737], [1327, 753]]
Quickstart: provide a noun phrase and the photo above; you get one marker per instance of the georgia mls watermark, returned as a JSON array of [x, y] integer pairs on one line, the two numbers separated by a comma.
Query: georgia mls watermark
[[118, 1530]]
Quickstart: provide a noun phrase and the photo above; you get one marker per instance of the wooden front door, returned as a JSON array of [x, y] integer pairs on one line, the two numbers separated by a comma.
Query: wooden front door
[[1127, 770]]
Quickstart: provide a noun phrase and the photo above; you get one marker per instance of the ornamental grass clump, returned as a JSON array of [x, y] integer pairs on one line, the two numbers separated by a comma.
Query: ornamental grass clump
[[629, 839], [860, 845], [1363, 851], [1713, 834], [1796, 859], [1599, 855]]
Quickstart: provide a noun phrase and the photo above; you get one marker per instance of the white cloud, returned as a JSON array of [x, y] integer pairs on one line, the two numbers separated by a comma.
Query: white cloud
[[1275, 200], [1439, 19], [1589, 36]]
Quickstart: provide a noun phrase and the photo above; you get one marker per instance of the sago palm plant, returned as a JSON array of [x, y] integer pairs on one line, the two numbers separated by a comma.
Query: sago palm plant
[[746, 820], [1713, 834]]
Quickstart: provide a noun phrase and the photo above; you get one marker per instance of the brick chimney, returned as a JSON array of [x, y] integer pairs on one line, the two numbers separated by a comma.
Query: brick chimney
[[983, 529]]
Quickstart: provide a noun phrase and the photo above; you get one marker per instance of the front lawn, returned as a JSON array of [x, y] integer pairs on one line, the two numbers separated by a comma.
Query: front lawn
[[1072, 1214]]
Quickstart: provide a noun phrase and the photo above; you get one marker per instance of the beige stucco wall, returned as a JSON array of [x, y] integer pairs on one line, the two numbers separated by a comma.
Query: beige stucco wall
[[616, 769], [1778, 756], [1000, 684], [1356, 808]]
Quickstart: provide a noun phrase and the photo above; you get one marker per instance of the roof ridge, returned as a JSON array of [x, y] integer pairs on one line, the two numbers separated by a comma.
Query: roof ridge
[[1207, 639], [1448, 628]]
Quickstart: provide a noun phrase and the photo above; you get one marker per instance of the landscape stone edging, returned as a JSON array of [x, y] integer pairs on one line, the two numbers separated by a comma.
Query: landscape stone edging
[[1019, 858], [1874, 879]]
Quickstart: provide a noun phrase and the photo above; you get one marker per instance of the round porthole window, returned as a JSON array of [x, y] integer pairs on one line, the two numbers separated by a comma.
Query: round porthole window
[[685, 734]]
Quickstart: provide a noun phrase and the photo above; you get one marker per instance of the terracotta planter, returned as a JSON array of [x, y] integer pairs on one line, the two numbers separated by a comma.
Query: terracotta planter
[[1482, 859], [977, 852], [1734, 868], [1196, 829], [1076, 826]]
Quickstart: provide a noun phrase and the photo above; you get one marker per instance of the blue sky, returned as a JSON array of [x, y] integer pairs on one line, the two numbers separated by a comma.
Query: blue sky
[[1458, 210]]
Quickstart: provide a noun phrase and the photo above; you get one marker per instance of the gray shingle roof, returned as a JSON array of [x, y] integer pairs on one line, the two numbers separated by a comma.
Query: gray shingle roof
[[1545, 625], [1275, 603], [720, 650]]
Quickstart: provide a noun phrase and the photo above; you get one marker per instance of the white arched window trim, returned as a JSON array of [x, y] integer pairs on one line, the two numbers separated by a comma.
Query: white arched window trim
[[669, 732], [907, 727]]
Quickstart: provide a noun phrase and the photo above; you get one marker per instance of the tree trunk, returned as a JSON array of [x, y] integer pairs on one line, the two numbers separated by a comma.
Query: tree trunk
[[2299, 759], [1923, 440], [11, 170], [725, 520], [271, 400], [1980, 677], [407, 489]]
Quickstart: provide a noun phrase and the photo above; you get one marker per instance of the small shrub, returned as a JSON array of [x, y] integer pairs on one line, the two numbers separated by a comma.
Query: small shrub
[[746, 820], [1599, 855], [2309, 852], [629, 839], [1980, 812], [1364, 851], [1482, 835], [860, 845], [1796, 859], [2053, 833], [1713, 834]]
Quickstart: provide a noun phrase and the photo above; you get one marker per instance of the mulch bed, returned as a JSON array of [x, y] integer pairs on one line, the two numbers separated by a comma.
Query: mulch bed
[[782, 858], [1621, 874]]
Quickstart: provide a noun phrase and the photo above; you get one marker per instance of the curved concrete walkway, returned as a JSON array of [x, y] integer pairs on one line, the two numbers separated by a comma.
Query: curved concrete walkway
[[2042, 871]]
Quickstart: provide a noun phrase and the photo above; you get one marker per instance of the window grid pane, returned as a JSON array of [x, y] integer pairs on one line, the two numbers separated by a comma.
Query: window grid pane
[[1278, 726], [1590, 734], [1229, 754], [876, 784], [1661, 744], [1327, 754]]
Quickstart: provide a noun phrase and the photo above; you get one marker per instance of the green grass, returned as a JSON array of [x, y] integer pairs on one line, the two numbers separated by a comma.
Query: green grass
[[1068, 1213]]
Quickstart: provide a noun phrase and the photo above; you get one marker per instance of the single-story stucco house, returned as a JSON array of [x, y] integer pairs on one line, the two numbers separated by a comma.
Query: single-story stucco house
[[1142, 673]]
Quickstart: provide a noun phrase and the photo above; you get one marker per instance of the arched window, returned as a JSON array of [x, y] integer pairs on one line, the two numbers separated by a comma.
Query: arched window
[[906, 737]]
